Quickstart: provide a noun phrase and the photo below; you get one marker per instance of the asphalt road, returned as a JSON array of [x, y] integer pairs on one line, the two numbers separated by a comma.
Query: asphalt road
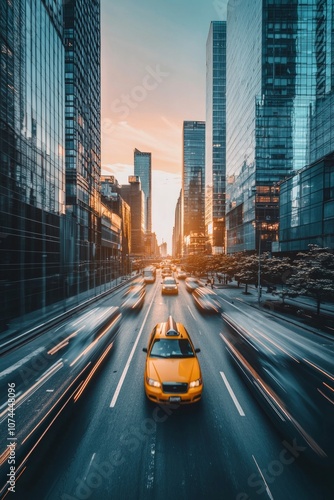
[[112, 443]]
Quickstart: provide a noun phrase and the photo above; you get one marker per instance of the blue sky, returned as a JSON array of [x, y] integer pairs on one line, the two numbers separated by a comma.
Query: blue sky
[[153, 78]]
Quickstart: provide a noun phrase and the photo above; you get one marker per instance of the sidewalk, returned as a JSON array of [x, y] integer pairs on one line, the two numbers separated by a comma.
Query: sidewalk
[[300, 311], [38, 320]]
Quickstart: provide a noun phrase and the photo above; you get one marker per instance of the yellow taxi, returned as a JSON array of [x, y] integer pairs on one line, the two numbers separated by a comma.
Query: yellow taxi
[[172, 370]]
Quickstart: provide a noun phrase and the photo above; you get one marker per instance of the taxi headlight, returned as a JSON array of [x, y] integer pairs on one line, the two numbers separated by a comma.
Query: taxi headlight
[[196, 383], [152, 382]]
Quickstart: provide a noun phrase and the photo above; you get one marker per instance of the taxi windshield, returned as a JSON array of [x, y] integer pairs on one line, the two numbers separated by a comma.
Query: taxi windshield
[[173, 348]]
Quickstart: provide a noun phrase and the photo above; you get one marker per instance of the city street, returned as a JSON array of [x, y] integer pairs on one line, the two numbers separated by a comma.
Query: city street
[[167, 250], [113, 443]]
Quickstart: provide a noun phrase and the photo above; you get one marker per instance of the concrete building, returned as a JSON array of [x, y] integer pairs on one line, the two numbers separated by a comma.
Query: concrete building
[[135, 198], [177, 229], [121, 247]]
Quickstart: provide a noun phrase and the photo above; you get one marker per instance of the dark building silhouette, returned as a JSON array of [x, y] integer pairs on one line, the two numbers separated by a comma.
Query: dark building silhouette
[[135, 198]]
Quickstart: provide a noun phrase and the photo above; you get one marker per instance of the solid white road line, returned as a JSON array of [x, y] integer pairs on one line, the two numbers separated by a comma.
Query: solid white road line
[[263, 478], [233, 396], [121, 380]]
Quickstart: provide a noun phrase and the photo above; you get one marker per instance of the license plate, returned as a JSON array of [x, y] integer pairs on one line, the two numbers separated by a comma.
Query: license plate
[[175, 399]]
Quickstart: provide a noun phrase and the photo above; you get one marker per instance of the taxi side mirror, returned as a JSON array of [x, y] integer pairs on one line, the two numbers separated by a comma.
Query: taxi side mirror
[[197, 350], [144, 349]]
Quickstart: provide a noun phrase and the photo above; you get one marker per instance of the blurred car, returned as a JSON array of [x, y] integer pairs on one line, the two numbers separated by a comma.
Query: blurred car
[[172, 370], [192, 284], [139, 280], [169, 286], [166, 271], [296, 393], [134, 297], [206, 300], [181, 275]]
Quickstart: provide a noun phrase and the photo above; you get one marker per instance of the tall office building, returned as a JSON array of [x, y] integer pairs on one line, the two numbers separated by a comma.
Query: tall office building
[[215, 161], [276, 67], [83, 155], [193, 188], [135, 198], [143, 169], [177, 229], [32, 169], [307, 198]]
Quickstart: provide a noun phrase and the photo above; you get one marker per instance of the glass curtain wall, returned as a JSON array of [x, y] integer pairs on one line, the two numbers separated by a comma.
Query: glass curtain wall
[[276, 68], [143, 168], [82, 243], [32, 155], [215, 161], [193, 178]]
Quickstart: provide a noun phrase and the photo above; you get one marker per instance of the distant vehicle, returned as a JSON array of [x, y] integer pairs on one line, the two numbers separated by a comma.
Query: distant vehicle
[[206, 300], [172, 370], [166, 271], [169, 286], [181, 275], [149, 274], [192, 284]]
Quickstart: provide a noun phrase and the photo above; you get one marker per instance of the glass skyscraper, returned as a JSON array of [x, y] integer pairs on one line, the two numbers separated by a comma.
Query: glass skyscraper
[[193, 188], [83, 148], [277, 65], [215, 162], [307, 198], [143, 169], [307, 207], [32, 167]]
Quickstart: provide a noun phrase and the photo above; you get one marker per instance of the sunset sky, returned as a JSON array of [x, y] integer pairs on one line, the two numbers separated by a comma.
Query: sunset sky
[[153, 78]]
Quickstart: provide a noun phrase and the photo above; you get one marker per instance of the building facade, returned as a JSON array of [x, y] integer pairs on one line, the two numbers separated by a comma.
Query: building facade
[[307, 198], [177, 229], [193, 184], [135, 198], [276, 68], [83, 149], [143, 169], [32, 167], [116, 231], [215, 143], [307, 207]]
